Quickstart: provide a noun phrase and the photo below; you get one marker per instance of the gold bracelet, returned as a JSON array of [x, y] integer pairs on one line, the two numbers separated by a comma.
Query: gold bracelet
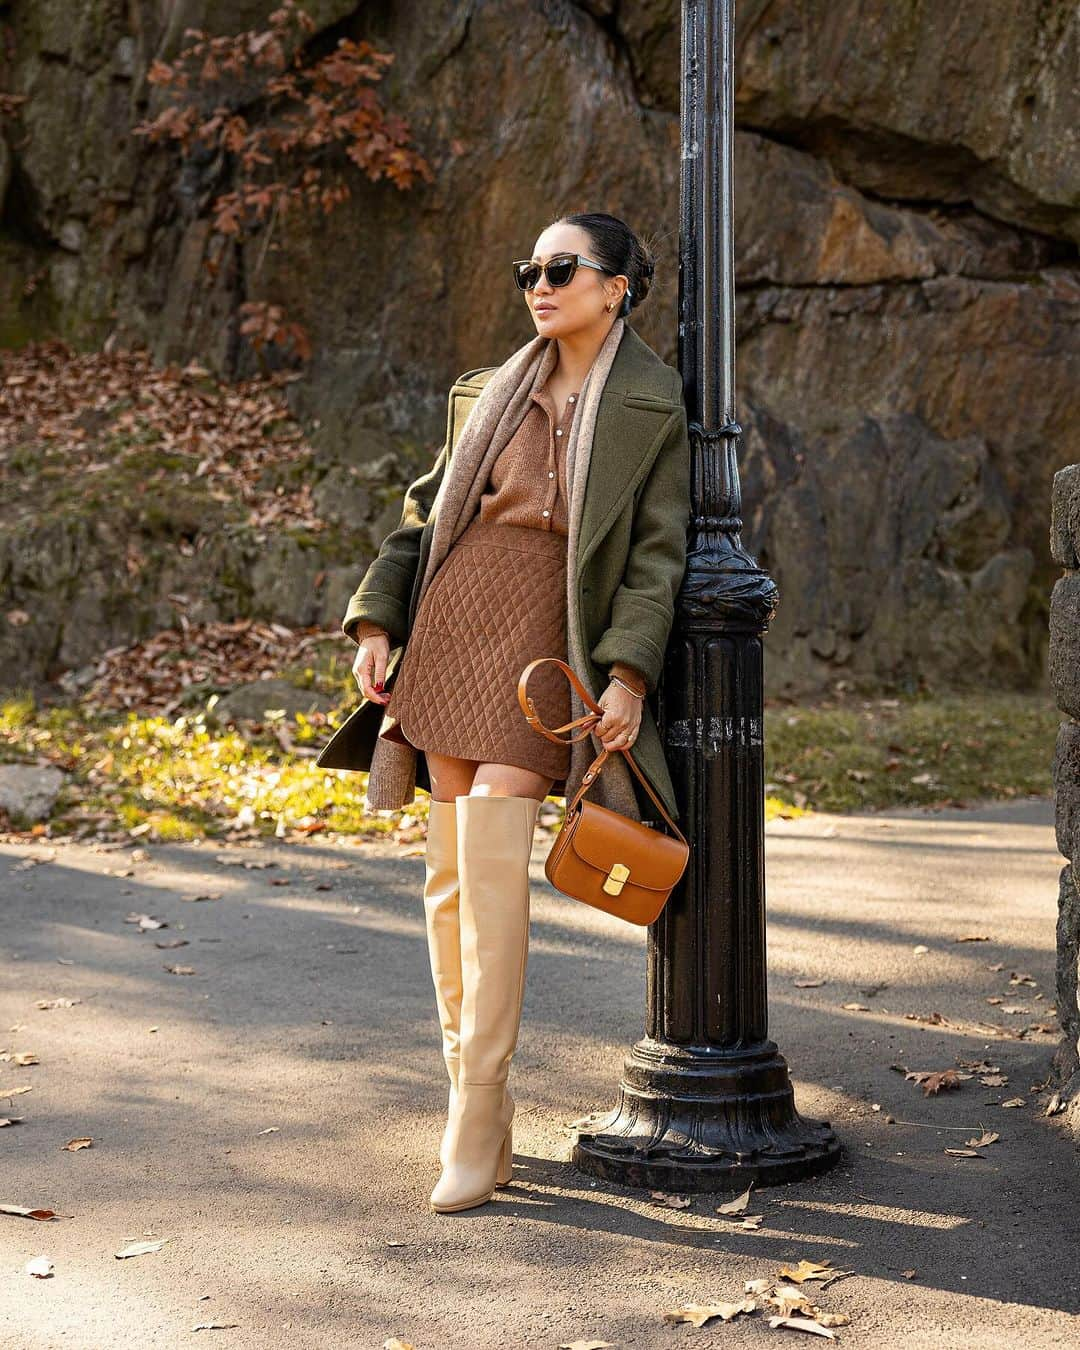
[[623, 685]]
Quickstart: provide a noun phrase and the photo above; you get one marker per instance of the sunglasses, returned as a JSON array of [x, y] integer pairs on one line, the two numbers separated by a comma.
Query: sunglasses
[[559, 270]]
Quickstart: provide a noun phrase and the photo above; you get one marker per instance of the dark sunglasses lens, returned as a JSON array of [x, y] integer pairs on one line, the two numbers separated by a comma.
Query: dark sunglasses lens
[[526, 275], [560, 270]]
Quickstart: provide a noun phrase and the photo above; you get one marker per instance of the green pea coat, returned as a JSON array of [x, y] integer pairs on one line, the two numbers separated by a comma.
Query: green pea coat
[[628, 567]]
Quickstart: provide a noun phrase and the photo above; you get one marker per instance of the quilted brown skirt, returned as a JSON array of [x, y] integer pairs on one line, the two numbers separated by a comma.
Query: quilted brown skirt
[[497, 601]]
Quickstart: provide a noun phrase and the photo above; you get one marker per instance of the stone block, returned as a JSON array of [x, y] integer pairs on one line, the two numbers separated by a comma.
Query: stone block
[[1063, 658], [1065, 517], [1068, 948], [1067, 791], [252, 702], [28, 792]]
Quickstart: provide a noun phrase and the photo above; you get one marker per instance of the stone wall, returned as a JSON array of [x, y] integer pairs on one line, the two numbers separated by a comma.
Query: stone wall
[[907, 220], [1065, 679]]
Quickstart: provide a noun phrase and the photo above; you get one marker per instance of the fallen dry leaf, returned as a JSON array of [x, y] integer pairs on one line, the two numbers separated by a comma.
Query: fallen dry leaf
[[972, 937], [39, 1266], [15, 1091], [671, 1201], [809, 1270], [700, 1313], [23, 1213], [808, 984], [984, 1139], [855, 1007], [146, 922], [964, 1153], [585, 1345], [933, 1083], [1015, 1101], [140, 1248], [73, 1145], [180, 970], [802, 1324], [788, 1299], [737, 1205]]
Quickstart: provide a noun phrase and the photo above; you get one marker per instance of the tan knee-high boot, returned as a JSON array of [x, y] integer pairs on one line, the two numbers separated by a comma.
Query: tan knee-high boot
[[494, 838], [441, 891]]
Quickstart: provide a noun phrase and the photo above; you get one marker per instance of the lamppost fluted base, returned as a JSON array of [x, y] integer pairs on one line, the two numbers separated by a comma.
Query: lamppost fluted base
[[692, 1119]]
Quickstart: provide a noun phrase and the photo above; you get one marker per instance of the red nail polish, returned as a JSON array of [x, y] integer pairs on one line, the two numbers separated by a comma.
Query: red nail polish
[[378, 687]]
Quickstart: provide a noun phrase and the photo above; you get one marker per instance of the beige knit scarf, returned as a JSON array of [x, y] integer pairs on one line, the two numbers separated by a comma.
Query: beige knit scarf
[[493, 419]]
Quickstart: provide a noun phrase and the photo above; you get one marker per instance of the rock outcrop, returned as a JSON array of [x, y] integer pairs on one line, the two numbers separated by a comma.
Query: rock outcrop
[[907, 220]]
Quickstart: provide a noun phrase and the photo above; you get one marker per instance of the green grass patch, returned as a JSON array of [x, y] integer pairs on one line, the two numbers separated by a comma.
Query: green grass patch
[[916, 750], [182, 777]]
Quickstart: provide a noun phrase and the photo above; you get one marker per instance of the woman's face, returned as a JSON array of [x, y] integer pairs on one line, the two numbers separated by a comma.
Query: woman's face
[[560, 311]]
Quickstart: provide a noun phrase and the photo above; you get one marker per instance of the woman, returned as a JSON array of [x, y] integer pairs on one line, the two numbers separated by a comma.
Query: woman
[[553, 523]]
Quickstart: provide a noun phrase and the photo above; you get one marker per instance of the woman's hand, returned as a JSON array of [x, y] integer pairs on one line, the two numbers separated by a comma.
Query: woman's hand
[[622, 716], [369, 666]]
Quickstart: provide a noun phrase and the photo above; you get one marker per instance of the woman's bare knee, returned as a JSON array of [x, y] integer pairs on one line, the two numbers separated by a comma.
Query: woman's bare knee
[[508, 780], [450, 777]]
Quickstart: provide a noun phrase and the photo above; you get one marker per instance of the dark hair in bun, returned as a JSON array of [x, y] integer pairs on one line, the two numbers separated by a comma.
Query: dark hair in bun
[[616, 247]]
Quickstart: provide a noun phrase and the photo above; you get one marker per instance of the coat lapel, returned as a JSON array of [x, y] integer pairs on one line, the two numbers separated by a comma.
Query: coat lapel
[[633, 419]]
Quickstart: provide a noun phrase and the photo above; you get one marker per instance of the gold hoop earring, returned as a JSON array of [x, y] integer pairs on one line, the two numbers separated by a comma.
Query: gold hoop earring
[[609, 308]]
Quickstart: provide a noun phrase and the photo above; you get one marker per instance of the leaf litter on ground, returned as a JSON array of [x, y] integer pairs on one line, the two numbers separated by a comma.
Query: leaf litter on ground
[[789, 1305]]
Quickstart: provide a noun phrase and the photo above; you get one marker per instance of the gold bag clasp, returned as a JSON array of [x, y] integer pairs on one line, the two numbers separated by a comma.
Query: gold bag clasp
[[616, 878]]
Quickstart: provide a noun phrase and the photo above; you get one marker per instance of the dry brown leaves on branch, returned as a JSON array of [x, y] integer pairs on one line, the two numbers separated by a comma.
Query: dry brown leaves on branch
[[311, 105]]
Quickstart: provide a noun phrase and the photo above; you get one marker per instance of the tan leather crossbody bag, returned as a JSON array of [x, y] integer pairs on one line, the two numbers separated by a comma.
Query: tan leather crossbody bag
[[601, 857]]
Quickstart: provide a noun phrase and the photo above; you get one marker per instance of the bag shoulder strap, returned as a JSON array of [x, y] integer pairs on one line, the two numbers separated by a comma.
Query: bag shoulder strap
[[587, 722]]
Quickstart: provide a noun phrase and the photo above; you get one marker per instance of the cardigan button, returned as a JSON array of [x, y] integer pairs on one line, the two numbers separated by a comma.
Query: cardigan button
[[559, 432]]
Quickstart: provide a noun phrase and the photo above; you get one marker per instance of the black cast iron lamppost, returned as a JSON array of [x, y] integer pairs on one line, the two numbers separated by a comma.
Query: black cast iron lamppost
[[705, 1099]]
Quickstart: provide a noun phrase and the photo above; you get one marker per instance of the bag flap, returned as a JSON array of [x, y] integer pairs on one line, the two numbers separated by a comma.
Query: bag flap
[[662, 861]]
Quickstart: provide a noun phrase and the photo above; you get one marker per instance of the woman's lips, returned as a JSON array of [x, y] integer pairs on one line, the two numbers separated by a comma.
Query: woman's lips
[[545, 309]]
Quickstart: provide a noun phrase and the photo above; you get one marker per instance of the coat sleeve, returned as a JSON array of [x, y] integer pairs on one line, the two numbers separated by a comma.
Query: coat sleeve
[[386, 588], [643, 607]]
